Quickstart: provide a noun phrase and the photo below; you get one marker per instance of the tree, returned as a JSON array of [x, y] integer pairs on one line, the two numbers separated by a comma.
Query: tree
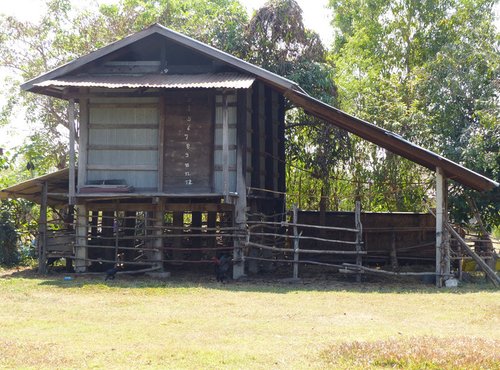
[[426, 70], [279, 42]]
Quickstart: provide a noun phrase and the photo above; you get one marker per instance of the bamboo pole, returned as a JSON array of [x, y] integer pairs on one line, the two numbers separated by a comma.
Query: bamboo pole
[[384, 272], [285, 224], [312, 251]]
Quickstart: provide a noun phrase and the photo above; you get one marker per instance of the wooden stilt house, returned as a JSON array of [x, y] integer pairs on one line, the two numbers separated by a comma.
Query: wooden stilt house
[[171, 133]]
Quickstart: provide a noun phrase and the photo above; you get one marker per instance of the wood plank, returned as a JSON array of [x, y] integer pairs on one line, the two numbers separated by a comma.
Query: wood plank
[[81, 251], [442, 252], [123, 147], [42, 235], [128, 167], [199, 207], [123, 126], [268, 141], [188, 143], [83, 143], [225, 146], [123, 105], [161, 142], [72, 159], [255, 181]]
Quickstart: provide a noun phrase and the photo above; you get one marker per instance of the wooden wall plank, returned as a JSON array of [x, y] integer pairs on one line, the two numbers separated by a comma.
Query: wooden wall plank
[[188, 143]]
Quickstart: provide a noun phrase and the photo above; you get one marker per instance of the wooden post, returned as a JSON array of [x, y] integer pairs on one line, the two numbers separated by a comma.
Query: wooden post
[[225, 146], [442, 240], [295, 243], [42, 232], [178, 223], [71, 123], [359, 238], [83, 139], [394, 253], [240, 216], [158, 243], [81, 250], [116, 230]]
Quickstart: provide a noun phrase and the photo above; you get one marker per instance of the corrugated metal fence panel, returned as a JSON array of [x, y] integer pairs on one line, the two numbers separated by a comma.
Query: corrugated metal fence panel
[[123, 132], [232, 142]]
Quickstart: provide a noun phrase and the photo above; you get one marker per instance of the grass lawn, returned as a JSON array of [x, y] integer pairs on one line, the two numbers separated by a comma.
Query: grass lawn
[[129, 323]]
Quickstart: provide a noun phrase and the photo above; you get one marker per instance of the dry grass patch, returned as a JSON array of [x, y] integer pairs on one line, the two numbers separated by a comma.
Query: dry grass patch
[[416, 353], [27, 354], [134, 323]]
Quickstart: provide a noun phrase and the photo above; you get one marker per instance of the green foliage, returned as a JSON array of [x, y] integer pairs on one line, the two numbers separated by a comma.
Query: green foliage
[[429, 72], [278, 41], [8, 240]]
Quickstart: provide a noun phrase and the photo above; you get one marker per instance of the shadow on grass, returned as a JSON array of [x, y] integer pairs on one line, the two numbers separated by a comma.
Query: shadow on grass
[[267, 283]]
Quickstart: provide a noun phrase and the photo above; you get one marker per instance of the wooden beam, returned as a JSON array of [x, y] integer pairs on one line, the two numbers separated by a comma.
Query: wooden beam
[[161, 141], [158, 243], [225, 146], [127, 167], [490, 274], [71, 123], [359, 238], [240, 215], [83, 146], [123, 126], [295, 243], [442, 244], [81, 250], [42, 233], [124, 147]]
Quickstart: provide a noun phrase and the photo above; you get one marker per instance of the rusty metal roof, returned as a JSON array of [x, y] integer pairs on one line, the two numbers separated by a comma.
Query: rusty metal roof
[[166, 81], [31, 189]]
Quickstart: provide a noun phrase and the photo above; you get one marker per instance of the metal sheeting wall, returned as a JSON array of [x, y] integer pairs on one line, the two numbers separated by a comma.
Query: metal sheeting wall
[[123, 141], [232, 123]]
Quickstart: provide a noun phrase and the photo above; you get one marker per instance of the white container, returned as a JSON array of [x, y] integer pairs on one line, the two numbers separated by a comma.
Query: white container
[[451, 283]]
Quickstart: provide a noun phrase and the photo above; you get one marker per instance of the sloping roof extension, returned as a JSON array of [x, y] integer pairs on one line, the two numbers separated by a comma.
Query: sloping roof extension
[[391, 141], [386, 139]]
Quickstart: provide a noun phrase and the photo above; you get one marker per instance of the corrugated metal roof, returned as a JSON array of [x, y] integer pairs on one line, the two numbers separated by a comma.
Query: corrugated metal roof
[[200, 81], [31, 189]]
